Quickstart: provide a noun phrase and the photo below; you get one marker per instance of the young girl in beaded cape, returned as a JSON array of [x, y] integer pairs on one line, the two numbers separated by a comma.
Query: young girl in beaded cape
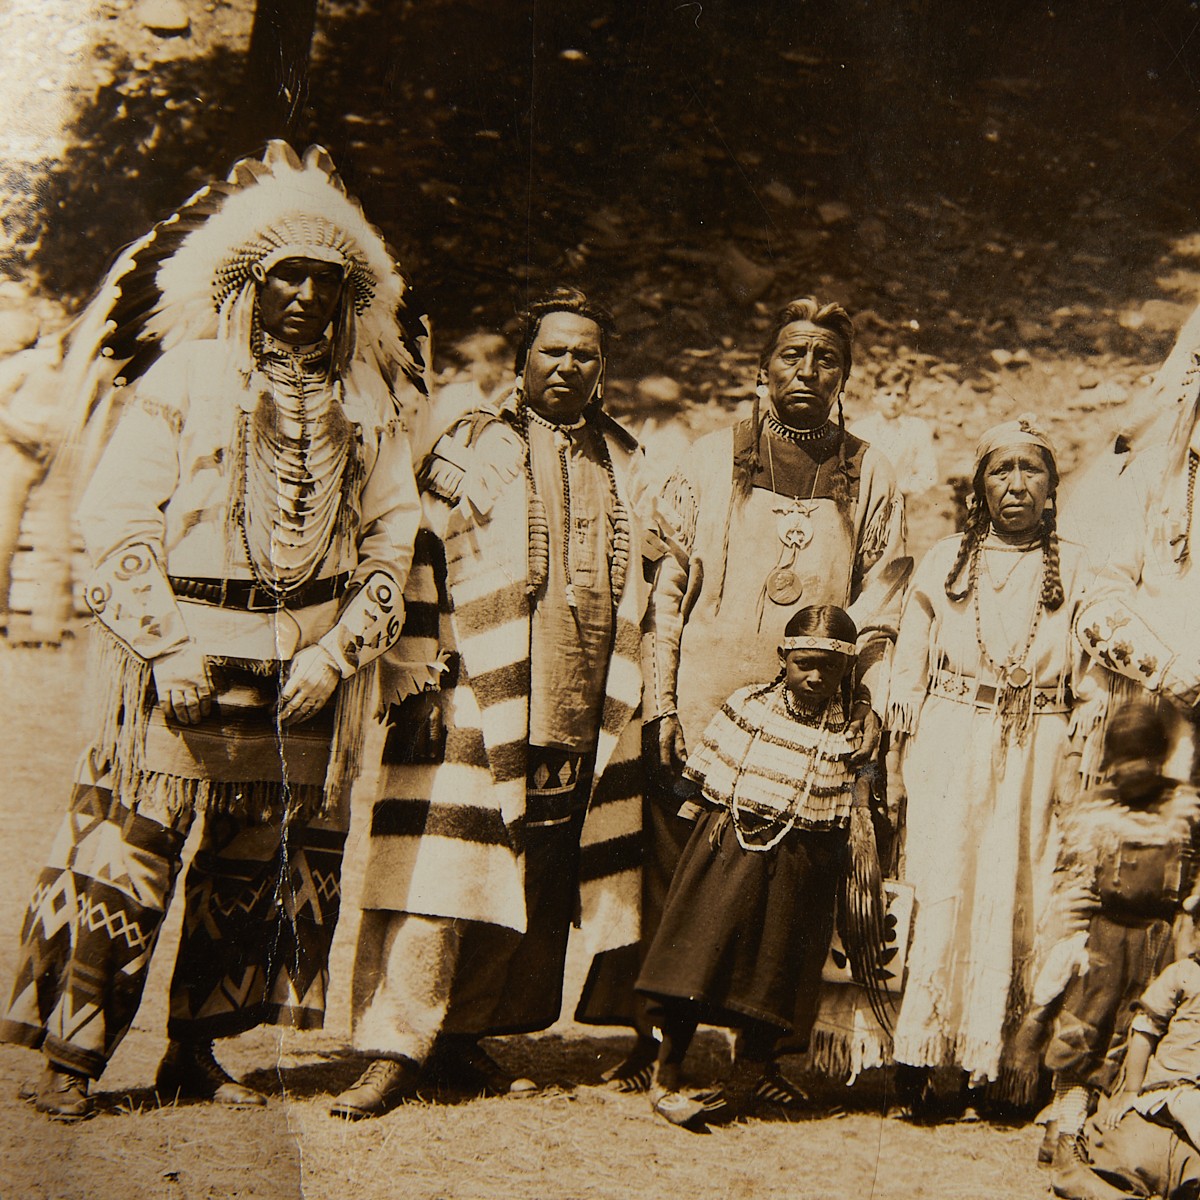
[[750, 914]]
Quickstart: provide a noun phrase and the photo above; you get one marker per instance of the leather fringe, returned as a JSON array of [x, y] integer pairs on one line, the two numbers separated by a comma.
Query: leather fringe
[[354, 695], [123, 709]]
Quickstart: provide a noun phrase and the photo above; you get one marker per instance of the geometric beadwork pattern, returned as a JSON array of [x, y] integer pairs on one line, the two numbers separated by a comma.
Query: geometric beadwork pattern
[[260, 912], [259, 919], [90, 930]]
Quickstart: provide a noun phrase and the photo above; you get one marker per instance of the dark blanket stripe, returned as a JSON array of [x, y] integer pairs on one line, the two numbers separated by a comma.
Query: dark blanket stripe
[[488, 612], [415, 818], [510, 682], [615, 715], [420, 620], [465, 745], [610, 858], [627, 641], [427, 548], [621, 781], [509, 761]]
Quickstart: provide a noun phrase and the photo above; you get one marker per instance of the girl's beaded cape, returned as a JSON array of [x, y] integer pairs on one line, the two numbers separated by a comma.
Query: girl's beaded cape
[[755, 752]]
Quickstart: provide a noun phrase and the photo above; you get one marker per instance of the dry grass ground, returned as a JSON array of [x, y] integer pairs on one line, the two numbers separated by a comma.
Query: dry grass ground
[[571, 1141]]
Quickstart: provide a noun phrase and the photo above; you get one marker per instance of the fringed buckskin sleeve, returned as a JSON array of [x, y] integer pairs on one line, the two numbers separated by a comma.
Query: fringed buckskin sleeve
[[882, 569], [675, 512], [910, 665], [1136, 621], [391, 511]]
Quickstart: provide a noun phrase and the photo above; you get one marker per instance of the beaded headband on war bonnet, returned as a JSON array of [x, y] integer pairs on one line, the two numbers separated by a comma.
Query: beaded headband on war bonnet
[[809, 642]]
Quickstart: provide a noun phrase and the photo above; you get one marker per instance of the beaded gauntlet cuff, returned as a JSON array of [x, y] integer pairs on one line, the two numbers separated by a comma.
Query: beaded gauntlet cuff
[[129, 595], [368, 626]]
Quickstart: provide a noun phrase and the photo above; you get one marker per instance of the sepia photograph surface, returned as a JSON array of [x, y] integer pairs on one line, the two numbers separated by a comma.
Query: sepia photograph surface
[[595, 599]]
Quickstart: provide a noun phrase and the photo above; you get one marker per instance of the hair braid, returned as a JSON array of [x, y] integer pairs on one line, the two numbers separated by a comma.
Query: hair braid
[[1052, 588], [979, 521], [770, 687], [841, 481], [744, 478]]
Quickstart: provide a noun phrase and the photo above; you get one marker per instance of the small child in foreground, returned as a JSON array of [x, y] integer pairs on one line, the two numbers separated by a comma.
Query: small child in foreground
[[1125, 868], [750, 914], [1162, 1066]]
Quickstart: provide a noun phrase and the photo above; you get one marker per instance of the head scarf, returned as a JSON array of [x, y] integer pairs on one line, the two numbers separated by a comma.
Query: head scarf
[[1012, 435]]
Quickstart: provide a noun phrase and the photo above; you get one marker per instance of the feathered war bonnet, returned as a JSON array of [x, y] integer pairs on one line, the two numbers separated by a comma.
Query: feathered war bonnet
[[192, 277]]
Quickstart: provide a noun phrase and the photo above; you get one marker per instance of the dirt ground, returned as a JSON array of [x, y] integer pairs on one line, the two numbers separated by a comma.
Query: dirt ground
[[572, 1141]]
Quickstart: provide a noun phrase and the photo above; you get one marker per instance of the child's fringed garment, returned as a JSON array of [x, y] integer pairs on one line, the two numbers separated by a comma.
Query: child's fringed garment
[[757, 757]]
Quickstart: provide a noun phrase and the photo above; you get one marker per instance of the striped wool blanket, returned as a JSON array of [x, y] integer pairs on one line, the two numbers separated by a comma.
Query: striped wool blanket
[[447, 832]]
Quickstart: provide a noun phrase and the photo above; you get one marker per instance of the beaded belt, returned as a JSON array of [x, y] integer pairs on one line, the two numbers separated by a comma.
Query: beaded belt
[[252, 596], [966, 690]]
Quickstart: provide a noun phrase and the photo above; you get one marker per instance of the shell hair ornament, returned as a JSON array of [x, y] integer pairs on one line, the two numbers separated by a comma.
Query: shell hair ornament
[[194, 276]]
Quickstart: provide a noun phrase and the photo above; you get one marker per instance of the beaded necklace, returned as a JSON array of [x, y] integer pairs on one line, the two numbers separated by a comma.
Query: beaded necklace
[[1014, 679], [1185, 550], [539, 526], [812, 755], [290, 486]]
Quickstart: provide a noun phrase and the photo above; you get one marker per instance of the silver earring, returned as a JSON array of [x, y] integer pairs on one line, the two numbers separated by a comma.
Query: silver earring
[[761, 390]]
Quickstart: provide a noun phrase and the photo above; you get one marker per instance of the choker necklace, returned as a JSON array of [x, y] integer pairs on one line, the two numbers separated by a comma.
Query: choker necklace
[[272, 347], [798, 436], [800, 712], [558, 426]]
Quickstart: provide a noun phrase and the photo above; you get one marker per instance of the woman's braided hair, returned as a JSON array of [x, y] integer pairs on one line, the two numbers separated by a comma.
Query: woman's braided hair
[[835, 319], [979, 522]]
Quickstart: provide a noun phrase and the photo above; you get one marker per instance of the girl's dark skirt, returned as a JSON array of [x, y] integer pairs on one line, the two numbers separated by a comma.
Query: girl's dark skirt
[[745, 933]]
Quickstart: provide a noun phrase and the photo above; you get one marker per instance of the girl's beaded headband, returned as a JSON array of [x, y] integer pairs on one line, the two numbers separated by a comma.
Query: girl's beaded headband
[[808, 642]]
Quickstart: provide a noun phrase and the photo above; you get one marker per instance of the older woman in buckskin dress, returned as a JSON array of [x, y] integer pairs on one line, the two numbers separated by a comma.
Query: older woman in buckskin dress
[[981, 696]]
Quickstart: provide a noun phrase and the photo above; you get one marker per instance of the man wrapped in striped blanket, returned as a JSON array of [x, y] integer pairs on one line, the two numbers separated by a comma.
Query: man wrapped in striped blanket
[[510, 803]]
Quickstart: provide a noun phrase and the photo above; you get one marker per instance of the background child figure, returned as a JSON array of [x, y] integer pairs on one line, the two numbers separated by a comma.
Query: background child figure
[[907, 441], [1126, 863], [750, 913]]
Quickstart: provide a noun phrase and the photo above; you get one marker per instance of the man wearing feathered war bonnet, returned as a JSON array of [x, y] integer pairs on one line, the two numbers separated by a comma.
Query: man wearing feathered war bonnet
[[251, 523]]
